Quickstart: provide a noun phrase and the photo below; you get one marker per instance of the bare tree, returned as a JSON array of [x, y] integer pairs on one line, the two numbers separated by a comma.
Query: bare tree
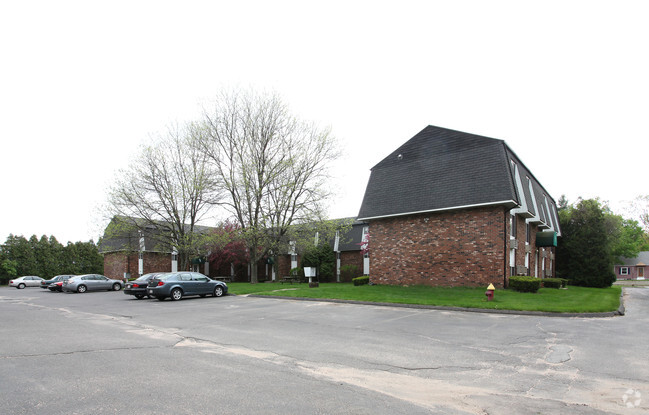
[[274, 167], [641, 208], [165, 193]]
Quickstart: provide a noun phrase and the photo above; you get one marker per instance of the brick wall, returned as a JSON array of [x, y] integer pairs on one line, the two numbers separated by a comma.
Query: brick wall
[[455, 248], [351, 258], [540, 259], [117, 263], [157, 262]]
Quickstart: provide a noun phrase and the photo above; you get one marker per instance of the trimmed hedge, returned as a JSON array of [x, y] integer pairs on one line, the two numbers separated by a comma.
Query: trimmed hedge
[[525, 284], [361, 280], [555, 282]]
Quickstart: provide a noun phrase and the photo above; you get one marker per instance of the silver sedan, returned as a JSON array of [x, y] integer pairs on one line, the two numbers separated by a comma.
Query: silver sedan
[[28, 281], [91, 282]]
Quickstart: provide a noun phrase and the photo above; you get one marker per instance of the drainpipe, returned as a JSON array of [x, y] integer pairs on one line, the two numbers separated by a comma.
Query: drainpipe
[[505, 250]]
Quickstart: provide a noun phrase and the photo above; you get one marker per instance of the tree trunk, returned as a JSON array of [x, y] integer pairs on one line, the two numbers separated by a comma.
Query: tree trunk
[[253, 265]]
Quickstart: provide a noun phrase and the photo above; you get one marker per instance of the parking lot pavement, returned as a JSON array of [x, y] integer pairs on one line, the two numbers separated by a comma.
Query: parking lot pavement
[[110, 353]]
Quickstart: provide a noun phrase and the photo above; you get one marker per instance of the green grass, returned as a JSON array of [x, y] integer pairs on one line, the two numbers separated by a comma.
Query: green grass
[[572, 300]]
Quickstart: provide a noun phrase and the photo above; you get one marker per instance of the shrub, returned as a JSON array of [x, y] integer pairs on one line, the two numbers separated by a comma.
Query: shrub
[[361, 280], [524, 284], [326, 272], [297, 272], [553, 283], [348, 272], [602, 280]]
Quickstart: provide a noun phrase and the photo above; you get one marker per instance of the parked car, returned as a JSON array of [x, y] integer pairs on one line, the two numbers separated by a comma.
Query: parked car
[[138, 287], [48, 283], [91, 282], [58, 286], [177, 285], [27, 281]]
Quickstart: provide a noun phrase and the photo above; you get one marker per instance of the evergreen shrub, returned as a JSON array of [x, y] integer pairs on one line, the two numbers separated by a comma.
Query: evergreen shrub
[[553, 283], [525, 284]]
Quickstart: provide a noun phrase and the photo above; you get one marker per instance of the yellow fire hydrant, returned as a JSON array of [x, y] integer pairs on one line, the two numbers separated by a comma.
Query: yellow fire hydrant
[[490, 292]]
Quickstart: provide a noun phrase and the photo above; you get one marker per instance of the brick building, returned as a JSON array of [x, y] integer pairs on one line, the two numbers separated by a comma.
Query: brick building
[[456, 209], [133, 250]]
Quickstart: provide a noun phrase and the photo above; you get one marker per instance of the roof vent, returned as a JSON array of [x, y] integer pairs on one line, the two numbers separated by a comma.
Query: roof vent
[[400, 156]]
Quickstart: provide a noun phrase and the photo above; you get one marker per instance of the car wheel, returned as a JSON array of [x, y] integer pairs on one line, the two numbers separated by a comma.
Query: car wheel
[[139, 296], [176, 294], [82, 289], [20, 286], [218, 291], [117, 287]]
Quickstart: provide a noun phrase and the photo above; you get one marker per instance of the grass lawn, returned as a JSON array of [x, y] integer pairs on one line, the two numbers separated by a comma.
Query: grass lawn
[[571, 300]]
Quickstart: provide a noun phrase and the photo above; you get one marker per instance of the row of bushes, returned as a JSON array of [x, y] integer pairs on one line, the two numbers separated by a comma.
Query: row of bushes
[[532, 284]]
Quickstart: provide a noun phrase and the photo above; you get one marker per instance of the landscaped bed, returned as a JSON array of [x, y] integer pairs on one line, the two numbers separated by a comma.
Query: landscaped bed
[[570, 300]]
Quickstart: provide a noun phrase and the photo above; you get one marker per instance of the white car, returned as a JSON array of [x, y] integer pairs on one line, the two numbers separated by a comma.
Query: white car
[[28, 281]]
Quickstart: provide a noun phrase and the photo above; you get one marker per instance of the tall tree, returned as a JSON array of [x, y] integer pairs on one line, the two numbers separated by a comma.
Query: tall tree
[[584, 249], [627, 237], [46, 257], [273, 167], [87, 259], [170, 189]]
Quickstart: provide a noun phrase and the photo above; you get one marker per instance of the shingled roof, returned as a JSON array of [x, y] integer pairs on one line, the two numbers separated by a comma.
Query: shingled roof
[[441, 169]]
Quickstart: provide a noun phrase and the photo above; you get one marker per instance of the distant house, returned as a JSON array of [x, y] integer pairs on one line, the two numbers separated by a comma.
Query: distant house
[[450, 208], [633, 268]]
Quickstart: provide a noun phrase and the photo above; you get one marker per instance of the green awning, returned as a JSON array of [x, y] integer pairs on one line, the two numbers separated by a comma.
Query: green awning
[[548, 238]]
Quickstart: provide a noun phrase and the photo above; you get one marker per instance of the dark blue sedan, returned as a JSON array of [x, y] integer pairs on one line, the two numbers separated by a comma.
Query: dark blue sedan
[[177, 285]]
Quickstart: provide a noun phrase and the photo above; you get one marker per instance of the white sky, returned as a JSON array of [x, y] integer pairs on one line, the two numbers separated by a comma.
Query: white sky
[[82, 83]]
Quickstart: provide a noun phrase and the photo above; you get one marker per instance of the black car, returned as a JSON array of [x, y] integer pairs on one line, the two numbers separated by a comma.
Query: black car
[[138, 287], [176, 285], [52, 282]]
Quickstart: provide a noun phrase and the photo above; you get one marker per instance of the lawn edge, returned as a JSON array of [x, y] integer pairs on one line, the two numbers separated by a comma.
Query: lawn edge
[[619, 312]]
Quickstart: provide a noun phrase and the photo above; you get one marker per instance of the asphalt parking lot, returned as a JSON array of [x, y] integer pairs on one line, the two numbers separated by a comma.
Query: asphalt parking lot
[[106, 352]]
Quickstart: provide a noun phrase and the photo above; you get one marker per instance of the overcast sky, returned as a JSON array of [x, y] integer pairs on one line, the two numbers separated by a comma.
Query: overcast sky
[[83, 83]]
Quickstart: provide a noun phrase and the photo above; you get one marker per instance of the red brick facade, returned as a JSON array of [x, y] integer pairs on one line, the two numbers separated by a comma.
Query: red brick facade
[[116, 264], [454, 248]]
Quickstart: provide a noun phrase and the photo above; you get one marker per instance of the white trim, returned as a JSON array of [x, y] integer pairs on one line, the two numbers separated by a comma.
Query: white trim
[[537, 216], [519, 187], [502, 202], [550, 218]]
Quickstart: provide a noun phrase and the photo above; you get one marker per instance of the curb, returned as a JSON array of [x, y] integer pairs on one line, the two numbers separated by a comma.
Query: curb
[[619, 312]]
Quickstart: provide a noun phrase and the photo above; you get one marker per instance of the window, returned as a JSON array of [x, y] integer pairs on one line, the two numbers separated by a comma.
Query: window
[[624, 270], [528, 232], [512, 225]]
